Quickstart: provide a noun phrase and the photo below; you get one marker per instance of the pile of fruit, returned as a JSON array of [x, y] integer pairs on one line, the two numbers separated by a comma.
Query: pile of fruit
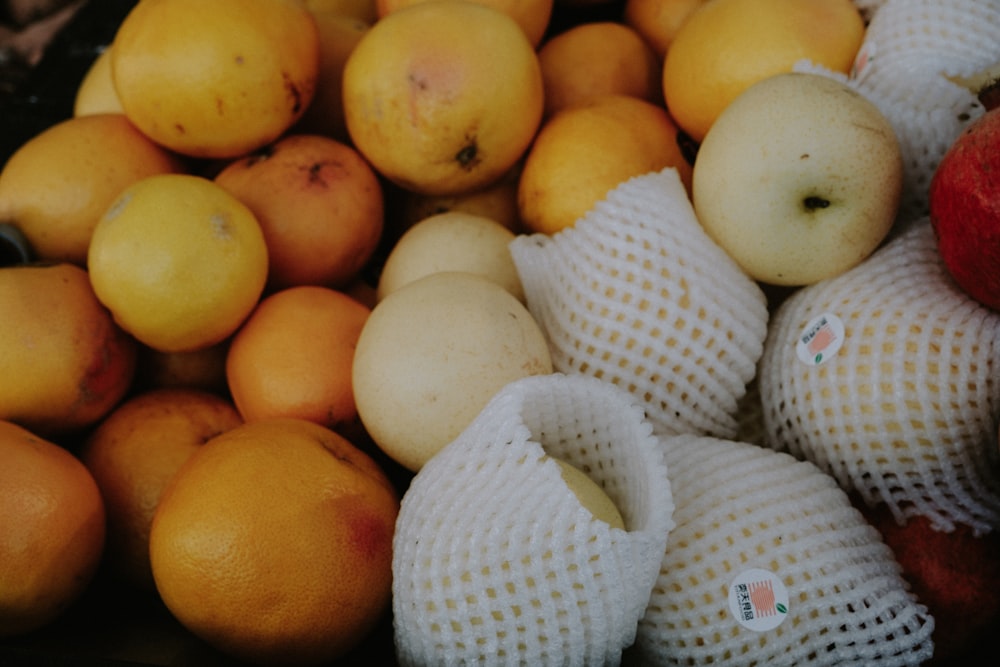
[[548, 331]]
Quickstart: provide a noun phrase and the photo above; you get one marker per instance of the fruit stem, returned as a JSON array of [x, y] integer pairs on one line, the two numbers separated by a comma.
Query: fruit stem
[[813, 202], [984, 84]]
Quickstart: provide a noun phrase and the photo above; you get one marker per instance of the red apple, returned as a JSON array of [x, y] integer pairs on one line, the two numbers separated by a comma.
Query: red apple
[[955, 574], [964, 201]]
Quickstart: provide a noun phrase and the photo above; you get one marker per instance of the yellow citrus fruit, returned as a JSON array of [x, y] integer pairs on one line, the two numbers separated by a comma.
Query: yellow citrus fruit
[[52, 528], [725, 46], [598, 58], [338, 35], [658, 20], [273, 543], [293, 355], [215, 79], [57, 185], [584, 151], [178, 261], [96, 92], [319, 204], [532, 15], [64, 363], [134, 453], [443, 97]]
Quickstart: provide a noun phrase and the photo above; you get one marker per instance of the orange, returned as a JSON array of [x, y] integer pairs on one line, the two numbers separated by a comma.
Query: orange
[[52, 527], [338, 35], [293, 356], [584, 151], [134, 452], [658, 20], [64, 363], [96, 92], [319, 205], [57, 185], [273, 543], [215, 79], [598, 58], [178, 261], [443, 97], [532, 15], [725, 46]]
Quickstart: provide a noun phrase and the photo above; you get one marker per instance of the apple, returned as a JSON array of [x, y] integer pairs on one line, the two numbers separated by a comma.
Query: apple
[[964, 201], [955, 574], [799, 179]]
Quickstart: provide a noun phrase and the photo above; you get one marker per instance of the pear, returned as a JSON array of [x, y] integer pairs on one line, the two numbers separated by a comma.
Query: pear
[[769, 563], [886, 378], [637, 294]]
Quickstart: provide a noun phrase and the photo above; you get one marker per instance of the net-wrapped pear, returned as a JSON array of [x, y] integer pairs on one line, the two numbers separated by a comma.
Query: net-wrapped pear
[[495, 559], [886, 377], [770, 564], [637, 294]]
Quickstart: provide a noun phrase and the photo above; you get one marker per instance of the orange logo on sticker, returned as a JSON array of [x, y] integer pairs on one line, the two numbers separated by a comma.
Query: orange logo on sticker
[[820, 339]]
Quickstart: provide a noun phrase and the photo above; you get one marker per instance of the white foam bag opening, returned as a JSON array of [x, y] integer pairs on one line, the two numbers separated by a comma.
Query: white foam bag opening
[[496, 562]]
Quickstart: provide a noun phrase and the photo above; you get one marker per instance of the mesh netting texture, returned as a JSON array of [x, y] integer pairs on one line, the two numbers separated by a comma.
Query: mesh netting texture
[[911, 50], [495, 561], [886, 377], [770, 564], [637, 294]]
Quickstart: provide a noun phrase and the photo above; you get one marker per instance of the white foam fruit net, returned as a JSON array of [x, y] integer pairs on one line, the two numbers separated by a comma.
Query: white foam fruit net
[[495, 561], [637, 294], [910, 51], [886, 377], [770, 564]]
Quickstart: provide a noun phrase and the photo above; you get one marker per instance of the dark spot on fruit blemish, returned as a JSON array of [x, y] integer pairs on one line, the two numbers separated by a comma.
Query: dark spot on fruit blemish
[[315, 174], [293, 92], [804, 156], [238, 59], [418, 82], [180, 128], [468, 156]]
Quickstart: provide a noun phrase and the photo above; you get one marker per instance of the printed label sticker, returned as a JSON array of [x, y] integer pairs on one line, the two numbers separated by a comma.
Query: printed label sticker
[[820, 339], [758, 600]]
